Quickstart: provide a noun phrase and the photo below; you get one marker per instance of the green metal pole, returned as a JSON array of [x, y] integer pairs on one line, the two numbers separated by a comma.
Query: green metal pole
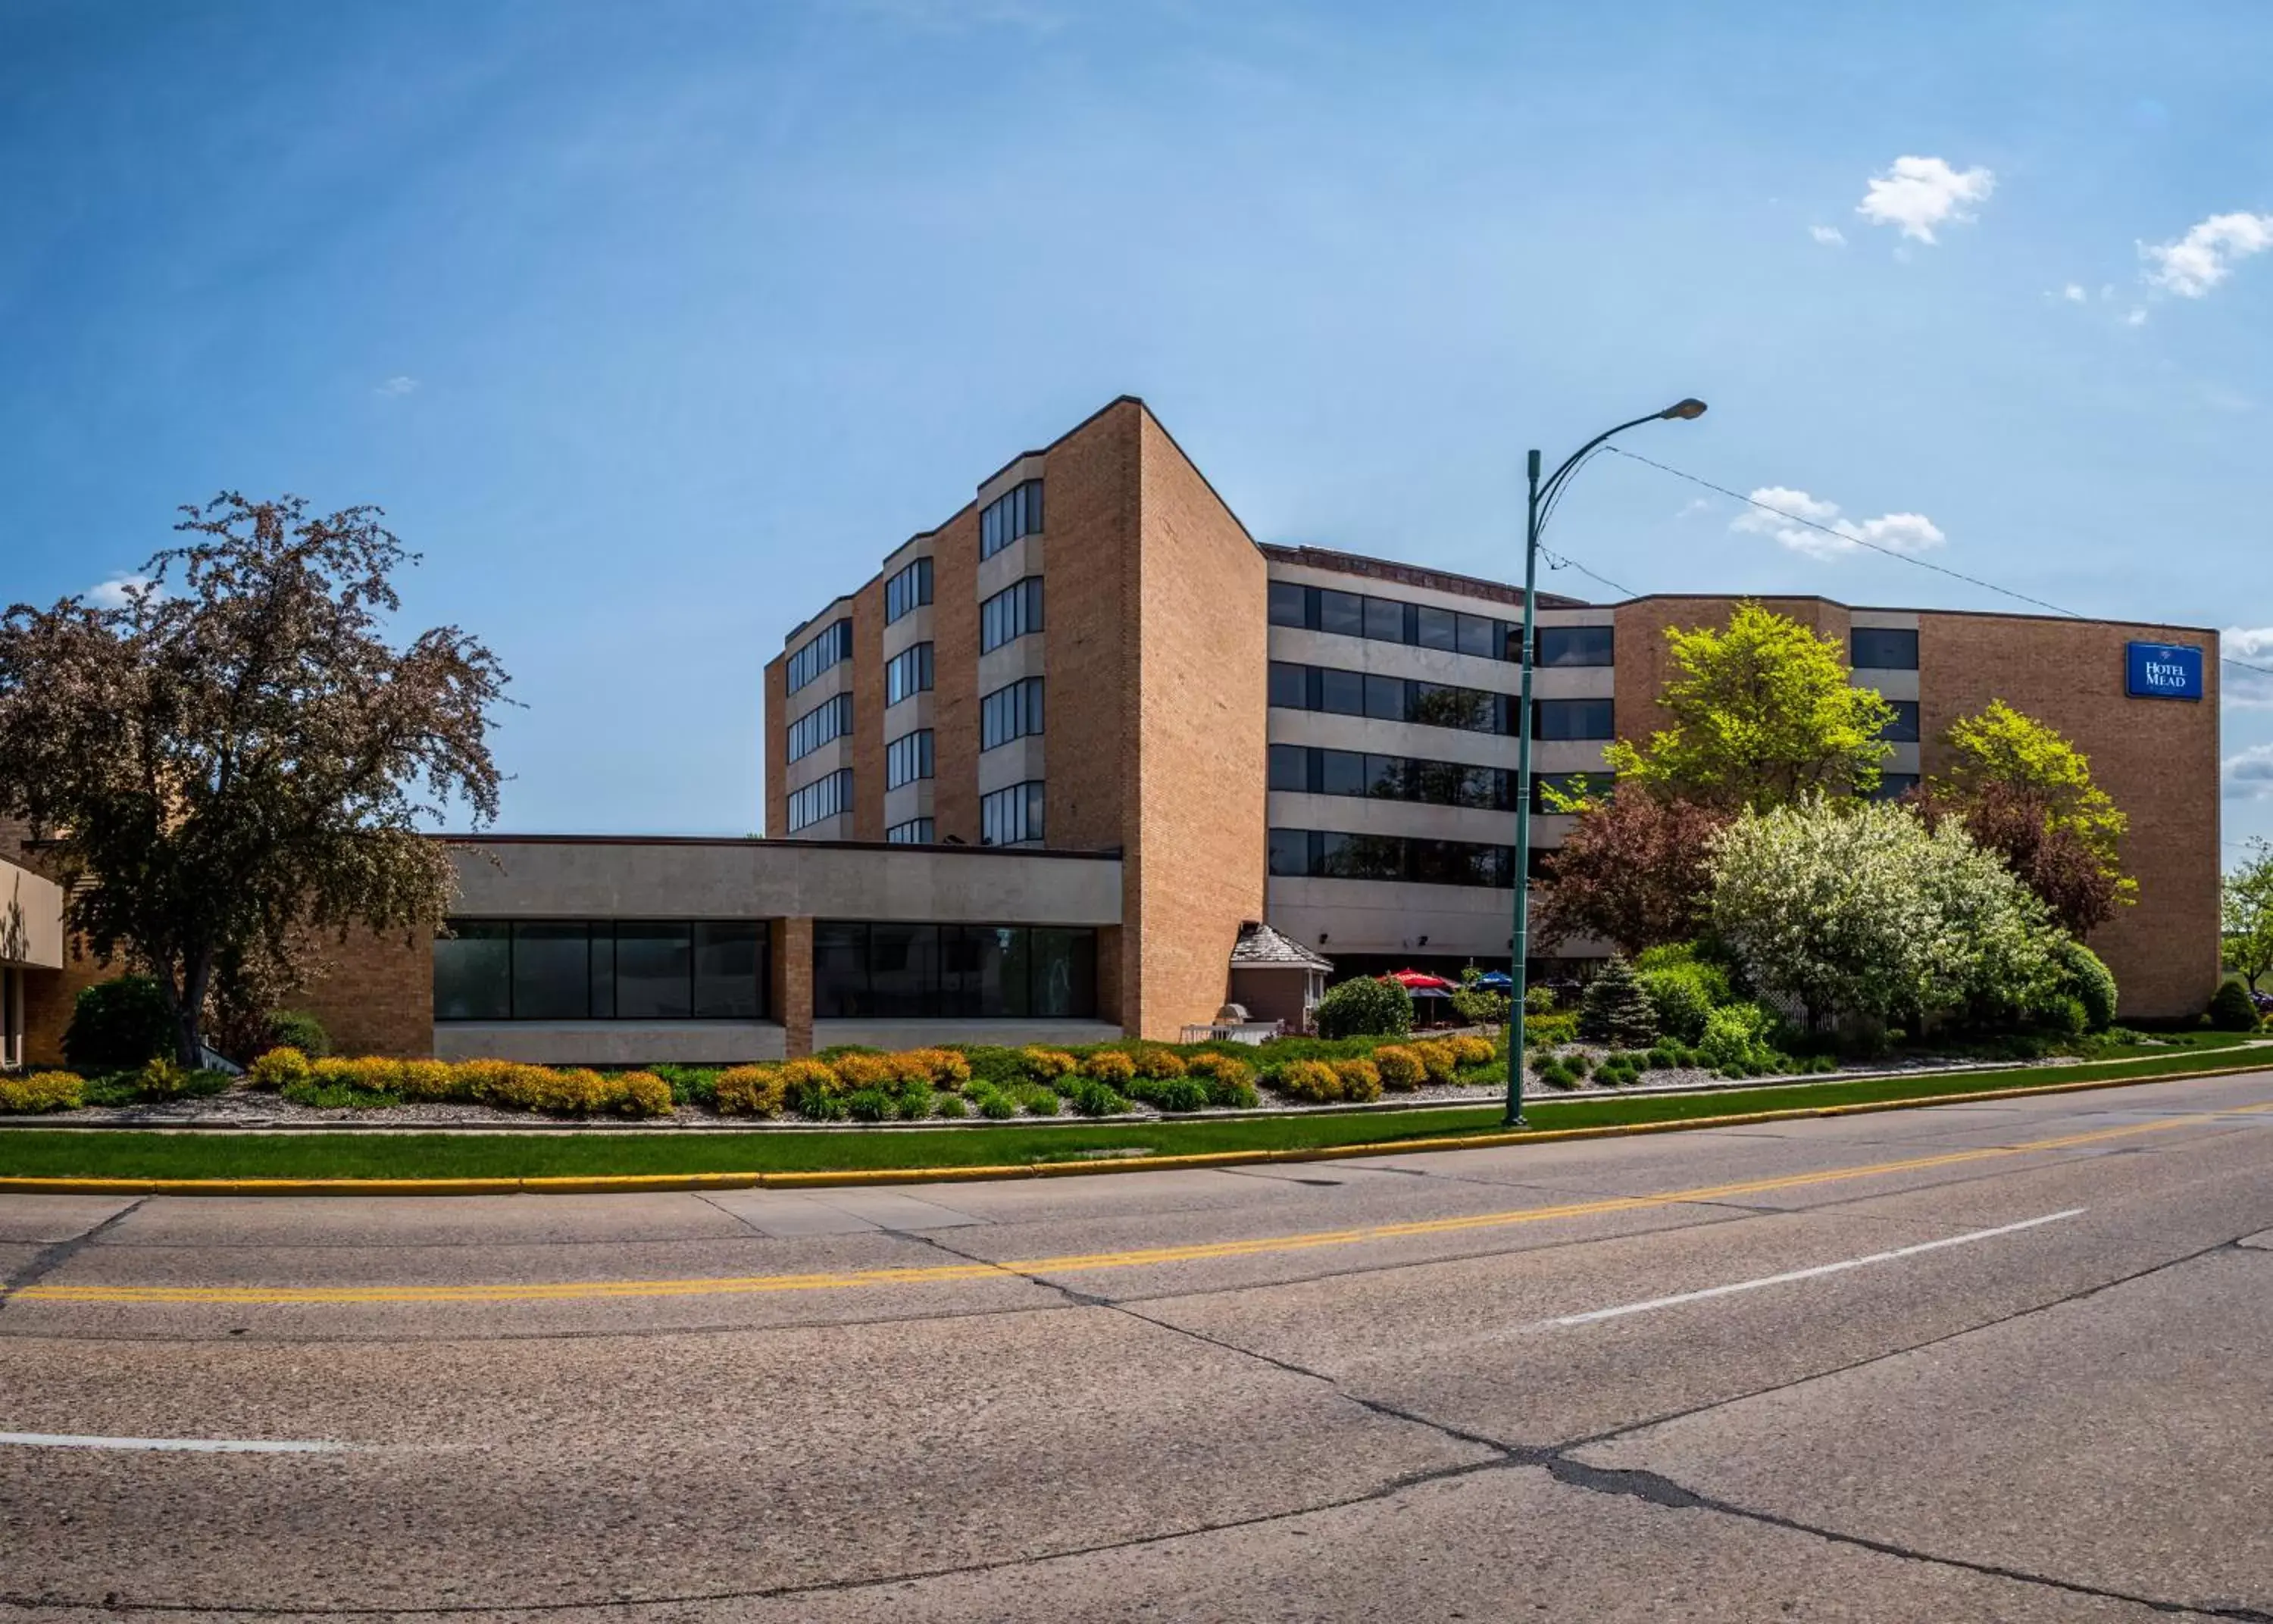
[[1520, 948]]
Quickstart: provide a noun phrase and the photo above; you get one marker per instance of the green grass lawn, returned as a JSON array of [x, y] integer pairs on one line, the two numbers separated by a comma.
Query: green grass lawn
[[129, 1154]]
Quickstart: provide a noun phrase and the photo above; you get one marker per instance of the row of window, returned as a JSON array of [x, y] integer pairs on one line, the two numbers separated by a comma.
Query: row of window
[[830, 719], [1008, 817], [1016, 513], [1308, 770], [1012, 711], [952, 971], [822, 798], [1326, 854], [1422, 626], [914, 832], [1882, 648], [835, 643], [907, 672], [601, 969], [907, 759], [1433, 704], [909, 589], [1010, 613]]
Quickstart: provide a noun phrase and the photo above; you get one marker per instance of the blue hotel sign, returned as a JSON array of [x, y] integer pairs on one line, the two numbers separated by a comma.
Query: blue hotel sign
[[2162, 671]]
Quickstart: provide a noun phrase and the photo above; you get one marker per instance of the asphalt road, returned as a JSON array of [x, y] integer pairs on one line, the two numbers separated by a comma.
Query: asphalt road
[[2008, 1361]]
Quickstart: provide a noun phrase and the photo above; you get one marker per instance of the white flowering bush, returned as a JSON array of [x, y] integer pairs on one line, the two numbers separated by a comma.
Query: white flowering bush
[[1861, 911]]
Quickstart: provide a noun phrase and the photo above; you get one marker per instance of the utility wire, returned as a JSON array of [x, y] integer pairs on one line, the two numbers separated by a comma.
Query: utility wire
[[1558, 561], [1857, 541]]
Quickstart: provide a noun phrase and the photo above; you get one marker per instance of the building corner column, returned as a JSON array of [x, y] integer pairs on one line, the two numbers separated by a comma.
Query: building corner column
[[792, 985]]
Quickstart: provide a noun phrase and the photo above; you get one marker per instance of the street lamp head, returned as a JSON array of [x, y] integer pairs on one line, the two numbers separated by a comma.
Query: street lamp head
[[1688, 408]]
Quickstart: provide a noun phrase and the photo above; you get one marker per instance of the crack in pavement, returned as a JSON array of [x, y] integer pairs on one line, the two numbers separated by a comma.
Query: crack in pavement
[[52, 1257]]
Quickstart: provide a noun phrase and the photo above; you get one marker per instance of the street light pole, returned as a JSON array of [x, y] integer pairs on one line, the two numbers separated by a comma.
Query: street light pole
[[1540, 499]]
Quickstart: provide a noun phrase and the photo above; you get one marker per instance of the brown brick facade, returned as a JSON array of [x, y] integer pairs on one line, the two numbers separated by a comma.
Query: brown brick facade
[[955, 678], [375, 992], [868, 712]]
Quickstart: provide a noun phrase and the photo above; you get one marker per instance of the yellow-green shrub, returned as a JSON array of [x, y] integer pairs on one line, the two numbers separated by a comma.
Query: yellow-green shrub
[[1472, 1050], [806, 1081], [431, 1080], [1049, 1064], [1152, 1060], [1438, 1058], [1110, 1066], [1399, 1066], [42, 1091], [487, 1082], [907, 1065], [1222, 1067], [1310, 1079], [750, 1091], [637, 1094], [163, 1079], [872, 1071], [948, 1069], [277, 1067], [1361, 1079]]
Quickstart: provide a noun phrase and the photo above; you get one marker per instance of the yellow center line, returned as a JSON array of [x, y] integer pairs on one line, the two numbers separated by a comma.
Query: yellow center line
[[578, 1290]]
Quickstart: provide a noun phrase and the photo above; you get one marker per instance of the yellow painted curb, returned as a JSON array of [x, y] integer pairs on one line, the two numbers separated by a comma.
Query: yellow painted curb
[[665, 1183]]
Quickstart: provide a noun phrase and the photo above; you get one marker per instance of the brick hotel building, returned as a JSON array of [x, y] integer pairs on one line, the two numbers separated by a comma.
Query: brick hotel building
[[1087, 758]]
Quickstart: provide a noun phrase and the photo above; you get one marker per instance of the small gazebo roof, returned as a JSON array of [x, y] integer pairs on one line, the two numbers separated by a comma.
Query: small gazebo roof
[[1261, 948]]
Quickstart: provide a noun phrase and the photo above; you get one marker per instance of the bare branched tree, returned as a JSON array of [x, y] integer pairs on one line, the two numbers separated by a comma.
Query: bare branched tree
[[235, 756]]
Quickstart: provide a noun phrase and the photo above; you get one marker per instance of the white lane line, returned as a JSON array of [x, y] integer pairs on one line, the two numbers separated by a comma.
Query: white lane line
[[195, 1446], [1589, 1317]]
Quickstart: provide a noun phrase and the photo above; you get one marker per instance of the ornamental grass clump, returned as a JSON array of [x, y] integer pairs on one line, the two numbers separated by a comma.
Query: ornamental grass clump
[[1094, 1098], [1400, 1066], [1036, 1099], [42, 1091]]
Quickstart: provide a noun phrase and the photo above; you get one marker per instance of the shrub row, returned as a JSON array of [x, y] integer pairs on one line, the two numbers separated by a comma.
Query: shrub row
[[864, 1086], [42, 1091], [507, 1084], [1355, 1079]]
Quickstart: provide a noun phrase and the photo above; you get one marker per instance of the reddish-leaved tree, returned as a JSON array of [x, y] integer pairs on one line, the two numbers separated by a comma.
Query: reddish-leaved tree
[[2048, 855], [1633, 871]]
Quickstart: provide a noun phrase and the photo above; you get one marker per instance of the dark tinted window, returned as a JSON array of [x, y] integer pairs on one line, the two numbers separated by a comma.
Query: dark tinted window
[[1341, 772], [1385, 698], [654, 963], [1341, 611], [1290, 767], [1576, 645], [1342, 693], [1290, 852], [1903, 730], [1893, 786], [1883, 648], [1479, 636], [1385, 620], [473, 973], [728, 960], [1289, 685], [1573, 719], [1436, 628], [953, 971], [552, 971], [1289, 603]]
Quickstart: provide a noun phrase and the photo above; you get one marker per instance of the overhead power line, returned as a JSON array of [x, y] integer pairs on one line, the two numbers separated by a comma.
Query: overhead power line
[[1904, 558]]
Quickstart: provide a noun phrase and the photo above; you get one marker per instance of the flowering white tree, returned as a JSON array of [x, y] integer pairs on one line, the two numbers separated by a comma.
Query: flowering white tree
[[1865, 912]]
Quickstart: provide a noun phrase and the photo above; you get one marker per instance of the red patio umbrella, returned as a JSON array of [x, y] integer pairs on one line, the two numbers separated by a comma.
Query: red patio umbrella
[[1419, 981]]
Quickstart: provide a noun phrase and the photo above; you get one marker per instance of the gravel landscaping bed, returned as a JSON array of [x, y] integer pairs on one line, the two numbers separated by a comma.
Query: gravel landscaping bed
[[246, 1109]]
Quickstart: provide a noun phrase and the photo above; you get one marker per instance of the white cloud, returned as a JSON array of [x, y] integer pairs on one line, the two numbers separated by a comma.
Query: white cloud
[[112, 594], [2206, 256], [1830, 236], [1919, 194], [1903, 533], [397, 386], [2073, 293], [1694, 505], [2249, 773], [2136, 317], [2239, 685]]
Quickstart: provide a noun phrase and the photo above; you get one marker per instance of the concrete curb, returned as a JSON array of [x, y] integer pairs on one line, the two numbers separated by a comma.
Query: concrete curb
[[668, 1183]]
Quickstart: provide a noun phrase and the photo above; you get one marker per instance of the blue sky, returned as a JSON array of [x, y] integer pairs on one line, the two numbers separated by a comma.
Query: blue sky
[[654, 326]]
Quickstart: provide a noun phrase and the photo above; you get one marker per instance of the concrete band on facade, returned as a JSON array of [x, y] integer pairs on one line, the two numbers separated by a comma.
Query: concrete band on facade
[[1164, 629]]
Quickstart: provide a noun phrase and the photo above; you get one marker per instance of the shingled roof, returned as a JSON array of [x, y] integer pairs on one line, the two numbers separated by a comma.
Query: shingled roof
[[1259, 945]]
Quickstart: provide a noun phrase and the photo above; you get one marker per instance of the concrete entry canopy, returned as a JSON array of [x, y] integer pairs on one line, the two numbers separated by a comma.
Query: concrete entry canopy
[[31, 948]]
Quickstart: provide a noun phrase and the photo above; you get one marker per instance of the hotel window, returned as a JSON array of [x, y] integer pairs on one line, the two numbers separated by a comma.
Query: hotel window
[[1016, 513], [878, 970], [909, 589], [830, 719], [822, 798], [1576, 646], [1573, 719], [1903, 730], [1387, 698], [1312, 771], [601, 969], [1892, 786], [1325, 854], [1012, 817], [1585, 786], [1011, 712], [914, 832], [907, 759], [818, 655], [1010, 613], [1391, 620], [1882, 648], [908, 672]]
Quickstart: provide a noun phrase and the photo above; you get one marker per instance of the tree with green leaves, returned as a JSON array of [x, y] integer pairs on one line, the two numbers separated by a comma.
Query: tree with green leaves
[[2027, 793], [2245, 913], [1764, 715], [235, 757]]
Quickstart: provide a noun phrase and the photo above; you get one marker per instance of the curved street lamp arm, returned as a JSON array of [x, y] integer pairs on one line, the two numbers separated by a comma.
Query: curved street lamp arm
[[1548, 486]]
